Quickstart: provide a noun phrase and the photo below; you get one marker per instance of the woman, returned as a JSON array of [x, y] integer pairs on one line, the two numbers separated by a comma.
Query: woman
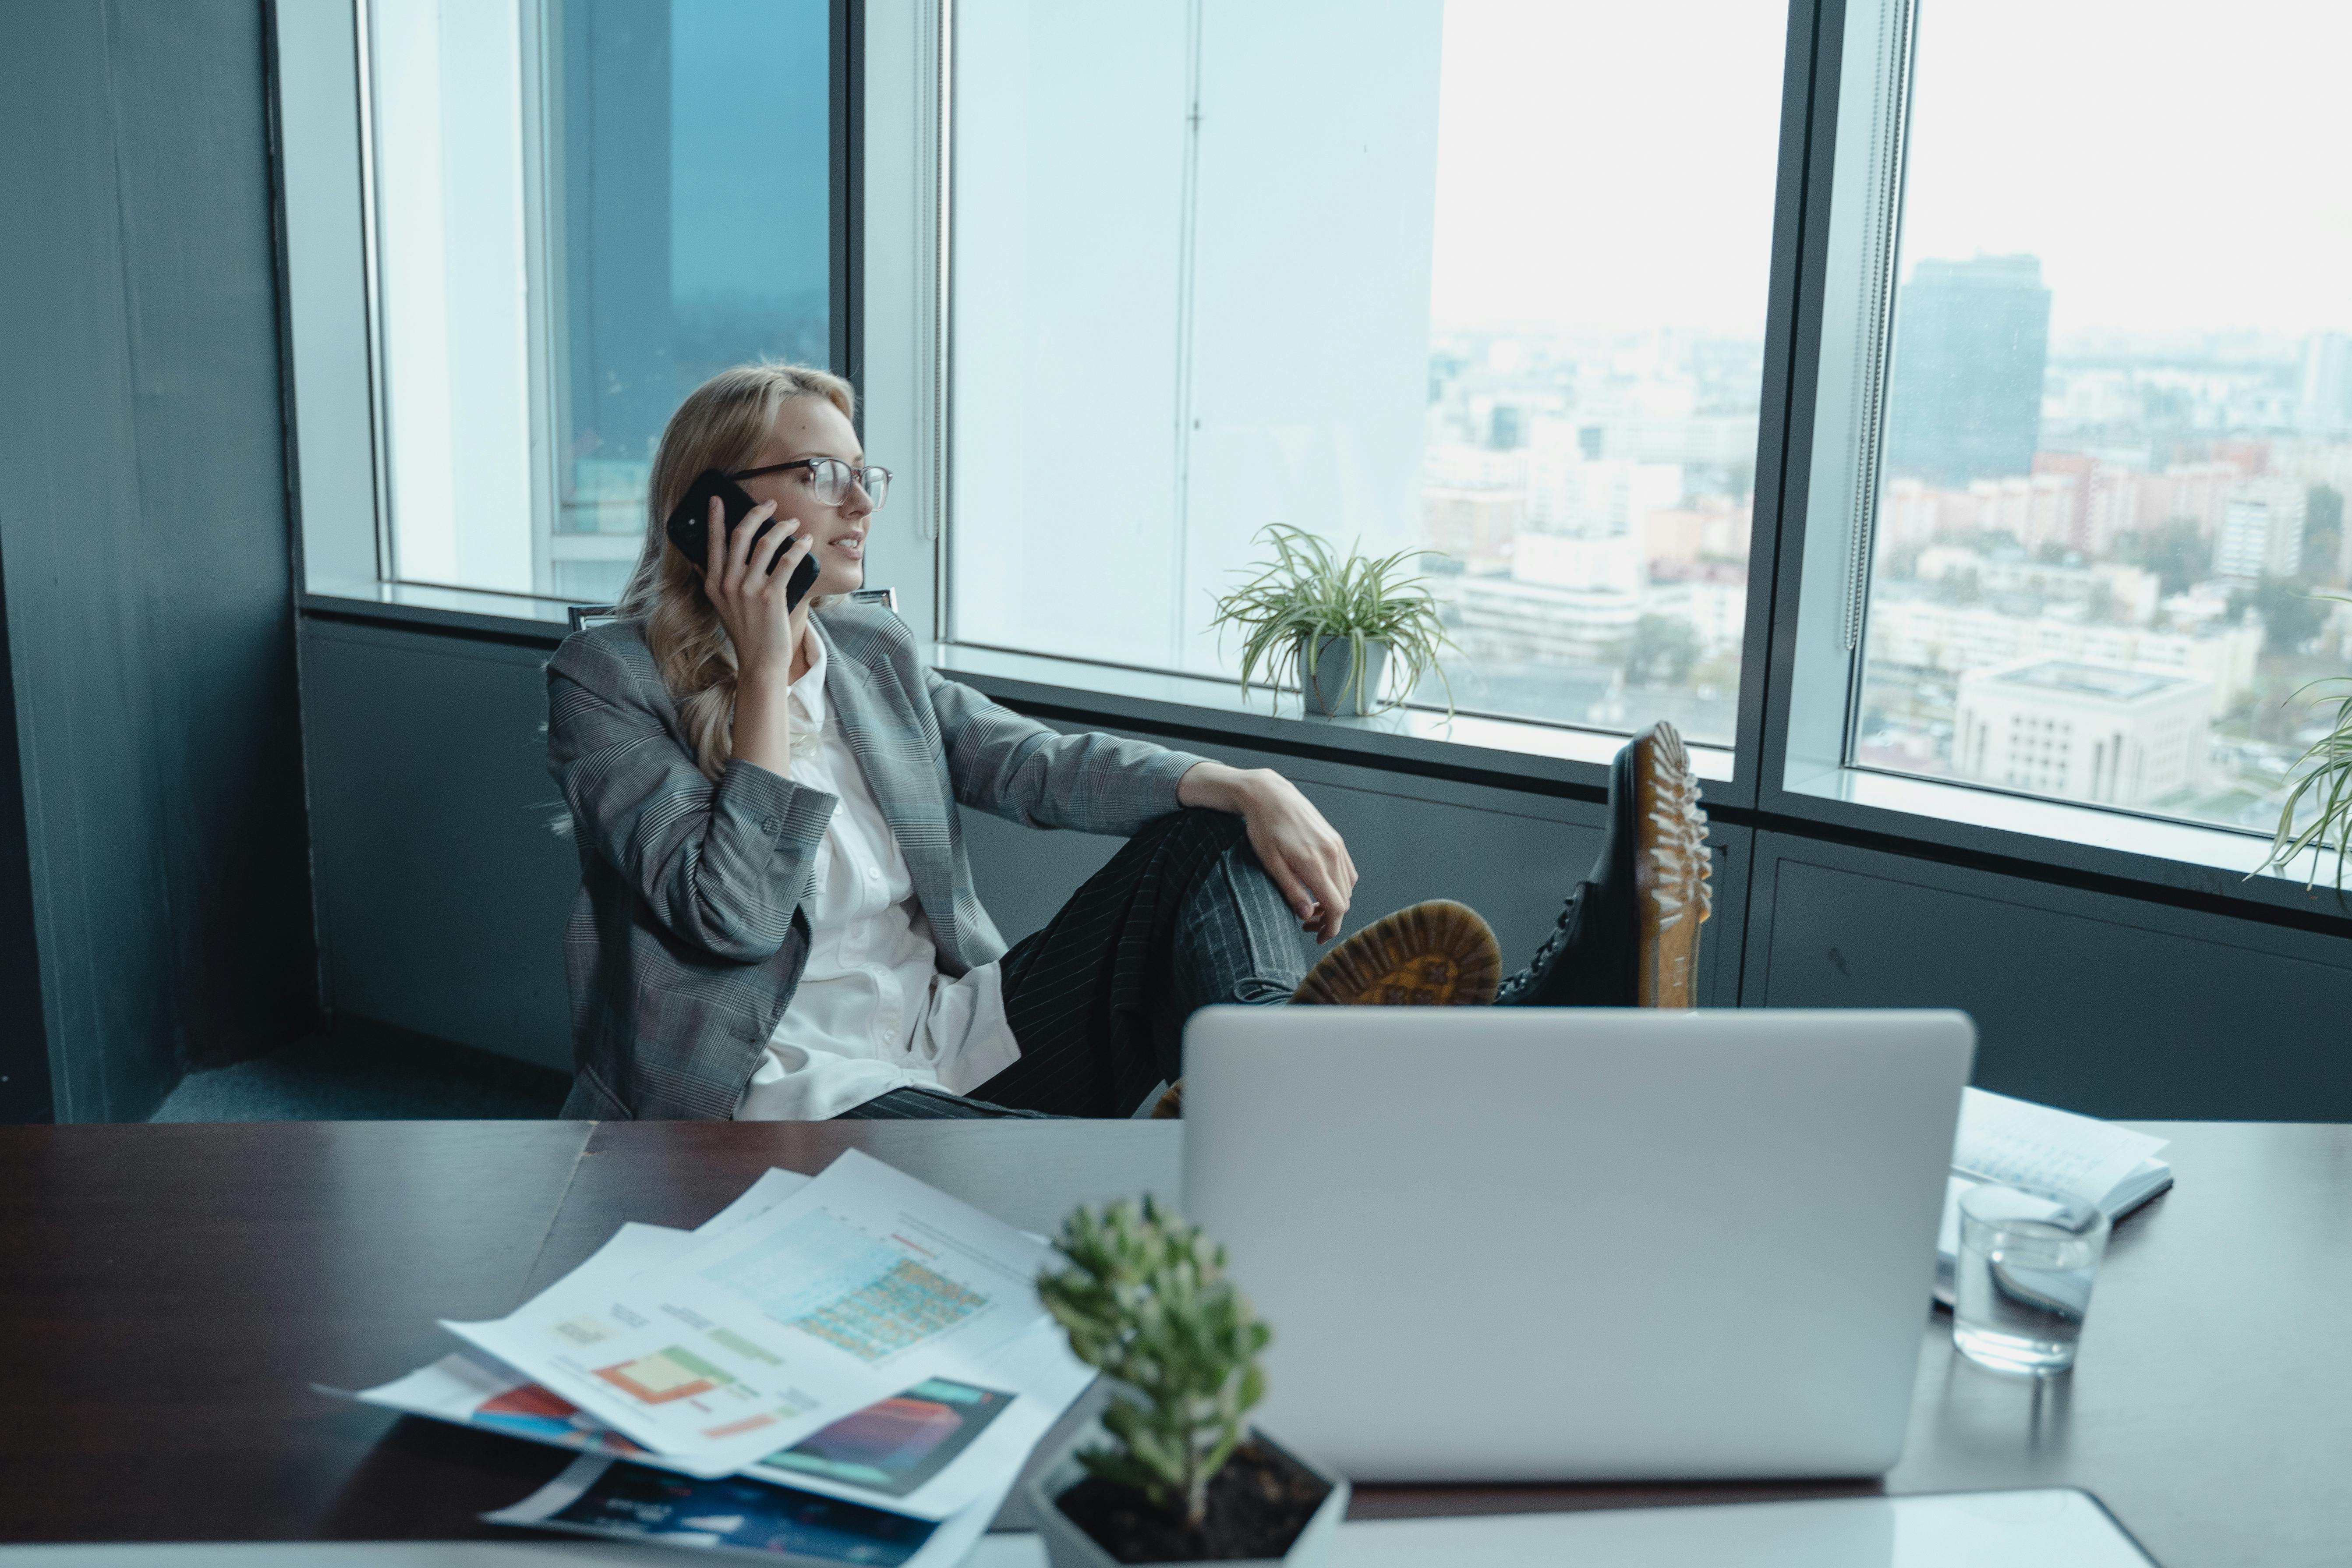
[[777, 919]]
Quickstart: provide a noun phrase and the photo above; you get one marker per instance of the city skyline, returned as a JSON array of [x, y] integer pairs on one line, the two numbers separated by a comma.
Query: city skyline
[[2089, 616]]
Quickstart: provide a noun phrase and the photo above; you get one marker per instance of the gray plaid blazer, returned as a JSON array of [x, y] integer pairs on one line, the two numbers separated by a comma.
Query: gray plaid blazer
[[686, 940]]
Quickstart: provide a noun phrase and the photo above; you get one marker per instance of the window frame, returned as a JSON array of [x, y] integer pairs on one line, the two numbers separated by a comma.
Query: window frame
[[321, 133], [1788, 767], [1806, 777], [1487, 747]]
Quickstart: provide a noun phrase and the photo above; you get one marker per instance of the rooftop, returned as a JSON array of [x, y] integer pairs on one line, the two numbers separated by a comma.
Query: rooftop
[[2100, 680]]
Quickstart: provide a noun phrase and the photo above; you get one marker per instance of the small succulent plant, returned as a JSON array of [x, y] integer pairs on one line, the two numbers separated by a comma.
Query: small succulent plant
[[1145, 1299]]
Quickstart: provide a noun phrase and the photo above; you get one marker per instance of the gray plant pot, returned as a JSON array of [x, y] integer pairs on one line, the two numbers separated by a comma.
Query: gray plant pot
[[1067, 1546], [1332, 689]]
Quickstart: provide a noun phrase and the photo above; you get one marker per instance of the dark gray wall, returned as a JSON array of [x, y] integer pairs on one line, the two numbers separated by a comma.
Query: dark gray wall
[[143, 532], [2112, 1006], [25, 1086], [442, 899], [442, 891]]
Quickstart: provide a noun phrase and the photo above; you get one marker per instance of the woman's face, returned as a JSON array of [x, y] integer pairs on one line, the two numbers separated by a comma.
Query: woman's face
[[812, 427]]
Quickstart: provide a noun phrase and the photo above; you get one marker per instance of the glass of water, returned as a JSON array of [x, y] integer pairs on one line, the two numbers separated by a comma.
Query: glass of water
[[2026, 1264]]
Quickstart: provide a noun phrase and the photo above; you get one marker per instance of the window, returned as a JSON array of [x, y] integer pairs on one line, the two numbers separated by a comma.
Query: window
[[2016, 349], [2118, 413], [1400, 275], [581, 209]]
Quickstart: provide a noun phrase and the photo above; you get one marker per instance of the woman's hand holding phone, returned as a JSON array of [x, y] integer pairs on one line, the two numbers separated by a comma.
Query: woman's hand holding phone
[[748, 577]]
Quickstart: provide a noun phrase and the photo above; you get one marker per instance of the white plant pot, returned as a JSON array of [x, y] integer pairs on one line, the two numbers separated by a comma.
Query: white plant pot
[[1332, 689], [1067, 1546]]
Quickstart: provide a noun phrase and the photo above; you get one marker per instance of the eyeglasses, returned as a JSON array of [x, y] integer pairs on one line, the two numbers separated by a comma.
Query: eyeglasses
[[830, 479]]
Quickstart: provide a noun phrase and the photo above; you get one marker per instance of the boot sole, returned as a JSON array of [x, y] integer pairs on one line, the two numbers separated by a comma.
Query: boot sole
[[1434, 955], [1671, 870]]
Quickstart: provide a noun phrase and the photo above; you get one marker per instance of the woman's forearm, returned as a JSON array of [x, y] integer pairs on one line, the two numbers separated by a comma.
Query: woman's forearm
[[763, 720], [1302, 853], [1215, 787]]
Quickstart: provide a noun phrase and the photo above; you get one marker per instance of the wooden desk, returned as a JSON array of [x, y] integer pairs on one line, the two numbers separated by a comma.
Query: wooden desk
[[168, 1293]]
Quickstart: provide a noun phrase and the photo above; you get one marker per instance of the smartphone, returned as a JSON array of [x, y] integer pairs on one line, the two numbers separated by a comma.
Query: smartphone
[[689, 530]]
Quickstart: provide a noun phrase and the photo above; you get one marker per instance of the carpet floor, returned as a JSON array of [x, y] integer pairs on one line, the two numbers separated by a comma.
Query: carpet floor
[[348, 1075]]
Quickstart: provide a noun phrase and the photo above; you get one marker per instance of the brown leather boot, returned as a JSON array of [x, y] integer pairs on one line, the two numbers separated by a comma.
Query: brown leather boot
[[1434, 955], [1628, 936], [1670, 875]]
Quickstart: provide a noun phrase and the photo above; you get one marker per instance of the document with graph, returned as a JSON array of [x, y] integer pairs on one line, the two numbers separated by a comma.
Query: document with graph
[[928, 1451], [858, 1286]]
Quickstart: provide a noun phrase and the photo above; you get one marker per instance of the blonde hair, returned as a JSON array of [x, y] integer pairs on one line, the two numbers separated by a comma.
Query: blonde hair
[[721, 424]]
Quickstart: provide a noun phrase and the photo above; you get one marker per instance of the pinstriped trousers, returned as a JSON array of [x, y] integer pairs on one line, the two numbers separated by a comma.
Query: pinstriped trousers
[[1183, 916]]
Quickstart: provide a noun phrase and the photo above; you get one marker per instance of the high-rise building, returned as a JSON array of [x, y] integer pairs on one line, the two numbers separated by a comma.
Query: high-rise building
[[1964, 398], [2262, 532], [2193, 492], [1473, 526], [2326, 403]]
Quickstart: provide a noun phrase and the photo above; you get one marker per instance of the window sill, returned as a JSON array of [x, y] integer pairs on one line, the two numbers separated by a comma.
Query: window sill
[[1502, 751], [508, 618], [2162, 854], [1208, 712], [2143, 855]]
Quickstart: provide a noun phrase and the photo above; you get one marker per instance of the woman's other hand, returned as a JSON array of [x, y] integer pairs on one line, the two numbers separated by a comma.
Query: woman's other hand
[[1304, 854]]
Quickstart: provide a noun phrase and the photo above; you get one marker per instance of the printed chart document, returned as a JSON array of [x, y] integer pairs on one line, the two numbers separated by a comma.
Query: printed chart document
[[772, 1188], [2023, 1144], [932, 1447], [860, 1285], [926, 1451], [737, 1515]]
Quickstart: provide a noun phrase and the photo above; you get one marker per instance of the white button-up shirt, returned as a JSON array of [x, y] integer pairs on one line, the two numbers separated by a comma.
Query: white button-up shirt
[[873, 1012]]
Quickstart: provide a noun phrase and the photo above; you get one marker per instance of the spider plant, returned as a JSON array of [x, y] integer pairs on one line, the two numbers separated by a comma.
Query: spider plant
[[2327, 783], [1307, 595]]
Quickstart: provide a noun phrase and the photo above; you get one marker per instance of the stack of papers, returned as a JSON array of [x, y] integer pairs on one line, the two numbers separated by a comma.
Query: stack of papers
[[2020, 1144], [849, 1368]]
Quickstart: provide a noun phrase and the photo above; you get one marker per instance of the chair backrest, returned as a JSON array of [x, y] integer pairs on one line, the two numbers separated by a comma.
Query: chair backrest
[[583, 616]]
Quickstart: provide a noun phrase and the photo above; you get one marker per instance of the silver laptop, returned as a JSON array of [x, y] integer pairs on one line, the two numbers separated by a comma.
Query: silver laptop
[[1564, 1243]]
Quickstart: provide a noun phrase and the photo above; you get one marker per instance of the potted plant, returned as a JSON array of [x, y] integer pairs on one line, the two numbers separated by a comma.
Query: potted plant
[[2326, 787], [1169, 1474], [1341, 622]]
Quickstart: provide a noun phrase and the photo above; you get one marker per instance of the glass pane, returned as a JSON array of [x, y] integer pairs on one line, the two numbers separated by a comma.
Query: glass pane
[[451, 288], [1357, 269], [2118, 428], [1604, 203], [547, 293], [689, 189], [1070, 152]]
